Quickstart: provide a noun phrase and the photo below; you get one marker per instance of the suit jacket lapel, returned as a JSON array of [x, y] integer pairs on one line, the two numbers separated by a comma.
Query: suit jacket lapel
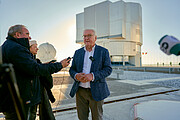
[[95, 56], [82, 59]]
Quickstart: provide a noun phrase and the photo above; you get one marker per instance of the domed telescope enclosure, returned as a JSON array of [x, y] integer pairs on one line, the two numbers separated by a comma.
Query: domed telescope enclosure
[[46, 52]]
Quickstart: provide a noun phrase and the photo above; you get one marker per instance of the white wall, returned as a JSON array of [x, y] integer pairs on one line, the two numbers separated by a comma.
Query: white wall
[[89, 18], [117, 18], [79, 27]]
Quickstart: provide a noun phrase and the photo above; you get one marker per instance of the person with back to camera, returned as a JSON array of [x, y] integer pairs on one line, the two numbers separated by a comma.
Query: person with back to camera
[[15, 50], [90, 66], [46, 83]]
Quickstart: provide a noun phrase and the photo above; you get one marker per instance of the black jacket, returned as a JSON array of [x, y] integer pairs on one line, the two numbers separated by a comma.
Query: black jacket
[[35, 85], [16, 51], [47, 83]]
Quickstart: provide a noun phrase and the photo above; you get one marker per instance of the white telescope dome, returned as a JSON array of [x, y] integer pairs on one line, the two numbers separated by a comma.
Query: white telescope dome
[[46, 52]]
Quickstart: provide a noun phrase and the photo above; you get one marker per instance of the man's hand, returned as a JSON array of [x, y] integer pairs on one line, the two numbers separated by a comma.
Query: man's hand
[[88, 77], [65, 62], [80, 77]]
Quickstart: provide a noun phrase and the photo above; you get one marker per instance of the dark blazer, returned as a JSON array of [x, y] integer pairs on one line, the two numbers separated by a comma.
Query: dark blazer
[[100, 67]]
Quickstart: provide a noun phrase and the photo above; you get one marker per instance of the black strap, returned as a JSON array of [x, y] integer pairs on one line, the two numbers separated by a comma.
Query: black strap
[[0, 54]]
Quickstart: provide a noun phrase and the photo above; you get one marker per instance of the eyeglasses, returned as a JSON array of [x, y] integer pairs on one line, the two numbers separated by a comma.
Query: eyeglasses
[[88, 36]]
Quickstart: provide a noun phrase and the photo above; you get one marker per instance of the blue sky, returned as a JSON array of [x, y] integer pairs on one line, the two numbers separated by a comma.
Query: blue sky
[[54, 21]]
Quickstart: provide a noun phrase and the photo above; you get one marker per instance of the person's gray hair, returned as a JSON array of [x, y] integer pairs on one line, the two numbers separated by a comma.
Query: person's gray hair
[[91, 30], [14, 29], [32, 42]]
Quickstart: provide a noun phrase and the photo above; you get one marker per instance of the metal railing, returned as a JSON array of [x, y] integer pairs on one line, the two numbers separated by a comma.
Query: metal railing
[[175, 70]]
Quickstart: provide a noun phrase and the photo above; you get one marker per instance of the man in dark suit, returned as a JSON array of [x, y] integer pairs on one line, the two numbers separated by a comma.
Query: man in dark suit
[[15, 50], [90, 66]]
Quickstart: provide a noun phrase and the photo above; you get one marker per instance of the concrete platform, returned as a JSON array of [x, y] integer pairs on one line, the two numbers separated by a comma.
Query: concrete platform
[[123, 110], [119, 105], [124, 94]]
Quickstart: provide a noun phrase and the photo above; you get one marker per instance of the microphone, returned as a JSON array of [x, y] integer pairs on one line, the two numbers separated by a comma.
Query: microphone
[[170, 45], [91, 58]]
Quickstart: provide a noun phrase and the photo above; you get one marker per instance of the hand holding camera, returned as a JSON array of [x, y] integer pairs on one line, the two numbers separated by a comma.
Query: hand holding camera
[[66, 62]]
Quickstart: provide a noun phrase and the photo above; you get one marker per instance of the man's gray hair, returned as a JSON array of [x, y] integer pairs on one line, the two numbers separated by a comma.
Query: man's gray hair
[[14, 29], [91, 30]]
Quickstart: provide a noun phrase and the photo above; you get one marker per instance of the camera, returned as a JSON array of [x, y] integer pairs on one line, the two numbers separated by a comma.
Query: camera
[[69, 58]]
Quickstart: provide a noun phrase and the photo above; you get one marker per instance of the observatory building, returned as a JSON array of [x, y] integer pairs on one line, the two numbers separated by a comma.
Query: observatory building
[[118, 26]]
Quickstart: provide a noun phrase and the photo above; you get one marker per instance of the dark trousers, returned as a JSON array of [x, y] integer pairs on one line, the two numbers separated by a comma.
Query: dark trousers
[[84, 101], [45, 109], [32, 112]]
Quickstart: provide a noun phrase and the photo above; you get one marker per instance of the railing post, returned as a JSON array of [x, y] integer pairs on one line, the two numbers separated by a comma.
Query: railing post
[[169, 70]]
